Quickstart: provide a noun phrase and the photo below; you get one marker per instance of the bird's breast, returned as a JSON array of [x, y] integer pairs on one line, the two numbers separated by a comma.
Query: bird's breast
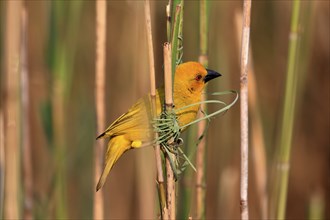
[[185, 114]]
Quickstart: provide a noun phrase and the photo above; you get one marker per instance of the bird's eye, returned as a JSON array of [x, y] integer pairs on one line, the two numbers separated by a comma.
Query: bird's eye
[[198, 77]]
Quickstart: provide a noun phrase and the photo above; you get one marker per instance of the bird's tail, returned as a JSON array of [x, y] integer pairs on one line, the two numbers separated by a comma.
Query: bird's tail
[[116, 147]]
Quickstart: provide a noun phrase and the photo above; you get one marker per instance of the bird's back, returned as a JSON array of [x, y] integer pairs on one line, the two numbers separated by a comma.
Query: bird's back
[[136, 123]]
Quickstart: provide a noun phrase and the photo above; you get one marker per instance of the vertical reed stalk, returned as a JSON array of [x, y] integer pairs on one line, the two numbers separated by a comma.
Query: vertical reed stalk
[[201, 149], [200, 167], [258, 144], [244, 109], [171, 53], [26, 145], [171, 205], [288, 112], [160, 175], [150, 48], [11, 110], [101, 13]]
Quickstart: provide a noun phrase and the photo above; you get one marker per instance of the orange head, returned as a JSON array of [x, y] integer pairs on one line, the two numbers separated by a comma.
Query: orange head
[[190, 78]]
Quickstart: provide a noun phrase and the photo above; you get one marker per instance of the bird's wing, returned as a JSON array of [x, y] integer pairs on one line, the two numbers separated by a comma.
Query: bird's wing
[[136, 119]]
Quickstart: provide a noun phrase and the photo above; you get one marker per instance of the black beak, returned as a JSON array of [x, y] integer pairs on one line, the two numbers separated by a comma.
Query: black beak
[[211, 75]]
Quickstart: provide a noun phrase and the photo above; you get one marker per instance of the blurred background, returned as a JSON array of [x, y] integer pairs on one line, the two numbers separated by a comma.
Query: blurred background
[[60, 117]]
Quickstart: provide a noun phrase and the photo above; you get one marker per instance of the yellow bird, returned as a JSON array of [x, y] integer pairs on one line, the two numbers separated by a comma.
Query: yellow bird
[[134, 130]]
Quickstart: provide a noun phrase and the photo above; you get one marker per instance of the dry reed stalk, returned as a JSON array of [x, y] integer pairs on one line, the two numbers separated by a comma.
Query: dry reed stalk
[[11, 109], [160, 175], [258, 145], [244, 109], [170, 182], [101, 13], [26, 145], [200, 154], [200, 167], [150, 48]]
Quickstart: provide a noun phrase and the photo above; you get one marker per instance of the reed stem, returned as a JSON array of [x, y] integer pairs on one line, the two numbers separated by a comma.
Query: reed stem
[[244, 109], [257, 143], [11, 110], [26, 145], [101, 13], [160, 175], [170, 180], [288, 112], [201, 149]]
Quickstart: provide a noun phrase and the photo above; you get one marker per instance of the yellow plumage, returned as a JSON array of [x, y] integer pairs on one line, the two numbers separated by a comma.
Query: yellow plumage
[[134, 130]]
